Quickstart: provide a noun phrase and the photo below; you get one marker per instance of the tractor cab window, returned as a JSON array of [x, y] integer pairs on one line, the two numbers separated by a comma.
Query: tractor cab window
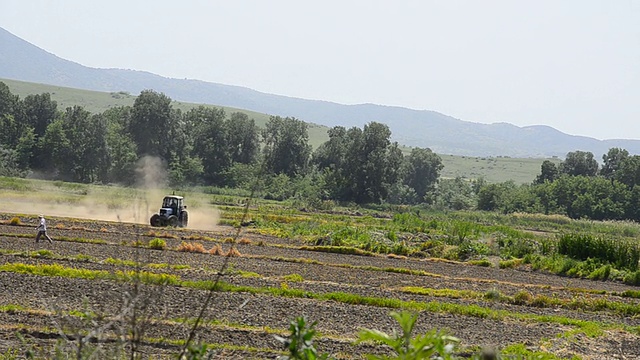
[[168, 202]]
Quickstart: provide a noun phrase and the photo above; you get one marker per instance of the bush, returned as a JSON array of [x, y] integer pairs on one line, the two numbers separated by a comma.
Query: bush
[[157, 244], [632, 278], [15, 221]]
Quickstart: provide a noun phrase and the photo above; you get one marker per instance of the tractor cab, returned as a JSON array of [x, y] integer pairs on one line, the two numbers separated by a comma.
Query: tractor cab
[[171, 205]]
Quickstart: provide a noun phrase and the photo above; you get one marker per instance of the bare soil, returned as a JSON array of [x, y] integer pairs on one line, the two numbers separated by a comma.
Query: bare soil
[[241, 324]]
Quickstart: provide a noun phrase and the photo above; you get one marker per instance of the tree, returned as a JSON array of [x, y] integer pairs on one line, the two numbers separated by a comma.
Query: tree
[[332, 152], [9, 103], [422, 170], [286, 148], [579, 163], [455, 194], [242, 138], [548, 172], [57, 146], [84, 153], [361, 165], [612, 161], [628, 172], [373, 170], [151, 124], [210, 141], [122, 150], [40, 111]]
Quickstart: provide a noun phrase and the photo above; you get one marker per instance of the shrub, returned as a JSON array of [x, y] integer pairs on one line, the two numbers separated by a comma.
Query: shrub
[[468, 249], [15, 221], [299, 343], [602, 273], [522, 297], [157, 244], [632, 278], [493, 294], [431, 345]]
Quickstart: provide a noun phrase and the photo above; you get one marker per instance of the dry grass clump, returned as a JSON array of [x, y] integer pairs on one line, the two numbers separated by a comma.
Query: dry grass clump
[[233, 252], [60, 226], [396, 256], [216, 250], [191, 247], [15, 221], [244, 241], [104, 230]]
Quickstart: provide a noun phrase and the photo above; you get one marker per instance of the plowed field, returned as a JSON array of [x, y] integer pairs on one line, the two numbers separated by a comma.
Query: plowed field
[[270, 283]]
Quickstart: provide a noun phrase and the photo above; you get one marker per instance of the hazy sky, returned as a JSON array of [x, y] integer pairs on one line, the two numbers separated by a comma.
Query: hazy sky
[[573, 65]]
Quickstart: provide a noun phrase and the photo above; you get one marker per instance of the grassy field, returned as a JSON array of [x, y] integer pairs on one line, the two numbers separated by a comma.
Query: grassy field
[[495, 169]]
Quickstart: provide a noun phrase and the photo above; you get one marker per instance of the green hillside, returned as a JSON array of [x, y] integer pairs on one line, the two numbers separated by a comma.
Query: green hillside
[[493, 169], [97, 102]]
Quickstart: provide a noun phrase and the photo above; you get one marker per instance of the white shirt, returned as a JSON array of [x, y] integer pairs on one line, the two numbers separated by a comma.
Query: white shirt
[[43, 225]]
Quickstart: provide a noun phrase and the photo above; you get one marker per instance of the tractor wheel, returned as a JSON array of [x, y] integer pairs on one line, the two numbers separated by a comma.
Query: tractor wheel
[[155, 220], [184, 219], [173, 221]]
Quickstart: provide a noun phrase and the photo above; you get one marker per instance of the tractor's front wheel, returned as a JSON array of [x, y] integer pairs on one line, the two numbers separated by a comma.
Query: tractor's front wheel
[[173, 221], [156, 220]]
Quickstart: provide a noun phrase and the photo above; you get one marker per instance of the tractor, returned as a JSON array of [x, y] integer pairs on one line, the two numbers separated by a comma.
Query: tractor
[[172, 213]]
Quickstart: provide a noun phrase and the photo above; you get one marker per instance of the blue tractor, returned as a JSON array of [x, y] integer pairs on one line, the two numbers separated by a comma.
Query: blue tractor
[[172, 213]]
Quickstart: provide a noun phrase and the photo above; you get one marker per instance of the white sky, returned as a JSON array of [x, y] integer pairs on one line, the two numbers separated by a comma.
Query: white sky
[[572, 65]]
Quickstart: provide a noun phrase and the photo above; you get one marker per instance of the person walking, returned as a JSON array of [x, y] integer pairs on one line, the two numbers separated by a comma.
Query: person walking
[[42, 230]]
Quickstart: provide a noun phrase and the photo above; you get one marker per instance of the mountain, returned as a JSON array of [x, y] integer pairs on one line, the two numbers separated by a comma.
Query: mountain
[[20, 60]]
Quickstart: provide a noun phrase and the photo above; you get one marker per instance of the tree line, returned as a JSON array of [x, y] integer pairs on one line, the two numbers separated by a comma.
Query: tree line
[[206, 146], [578, 187]]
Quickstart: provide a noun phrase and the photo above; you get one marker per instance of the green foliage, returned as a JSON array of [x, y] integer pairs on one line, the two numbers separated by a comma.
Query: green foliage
[[623, 254], [294, 278], [286, 149], [409, 347], [632, 278], [579, 163], [422, 170], [157, 244], [299, 343]]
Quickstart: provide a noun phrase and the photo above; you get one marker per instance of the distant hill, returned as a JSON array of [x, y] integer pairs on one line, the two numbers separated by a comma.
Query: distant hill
[[23, 61]]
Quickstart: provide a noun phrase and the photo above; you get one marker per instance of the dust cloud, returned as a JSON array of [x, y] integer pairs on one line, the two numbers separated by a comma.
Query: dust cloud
[[130, 205]]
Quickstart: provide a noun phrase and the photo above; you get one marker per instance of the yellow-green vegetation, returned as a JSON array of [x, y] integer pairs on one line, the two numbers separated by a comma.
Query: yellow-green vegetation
[[589, 328], [293, 278], [157, 244]]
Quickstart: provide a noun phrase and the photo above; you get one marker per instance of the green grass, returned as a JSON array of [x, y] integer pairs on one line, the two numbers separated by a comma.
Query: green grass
[[492, 169]]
